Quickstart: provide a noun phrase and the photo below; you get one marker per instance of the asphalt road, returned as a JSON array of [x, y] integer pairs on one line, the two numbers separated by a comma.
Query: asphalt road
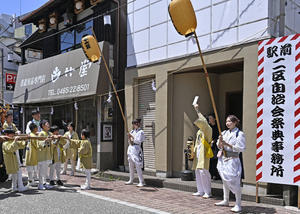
[[60, 200]]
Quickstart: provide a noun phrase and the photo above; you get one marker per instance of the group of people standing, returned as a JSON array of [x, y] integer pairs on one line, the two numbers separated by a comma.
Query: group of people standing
[[45, 150], [227, 148]]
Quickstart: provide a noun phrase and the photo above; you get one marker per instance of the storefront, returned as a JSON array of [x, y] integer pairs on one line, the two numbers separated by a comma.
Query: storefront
[[68, 87], [233, 74]]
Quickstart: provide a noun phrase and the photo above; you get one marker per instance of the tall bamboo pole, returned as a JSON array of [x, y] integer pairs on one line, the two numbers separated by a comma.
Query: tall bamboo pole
[[209, 85], [115, 91]]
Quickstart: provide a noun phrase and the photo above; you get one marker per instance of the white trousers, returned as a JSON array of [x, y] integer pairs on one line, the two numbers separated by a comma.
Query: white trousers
[[203, 180], [55, 167], [88, 177], [235, 188], [32, 172], [72, 165], [43, 171], [16, 180], [138, 170]]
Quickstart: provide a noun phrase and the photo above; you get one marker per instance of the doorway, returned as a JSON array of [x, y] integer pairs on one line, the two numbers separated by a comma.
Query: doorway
[[234, 105]]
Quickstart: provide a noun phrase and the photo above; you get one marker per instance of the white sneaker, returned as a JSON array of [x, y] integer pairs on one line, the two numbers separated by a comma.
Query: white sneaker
[[85, 187], [197, 194], [63, 173], [236, 209], [222, 203], [205, 196], [14, 189], [128, 182], [41, 187], [22, 189], [140, 185], [31, 184]]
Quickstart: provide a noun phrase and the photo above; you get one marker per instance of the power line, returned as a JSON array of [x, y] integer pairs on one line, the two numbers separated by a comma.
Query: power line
[[73, 26]]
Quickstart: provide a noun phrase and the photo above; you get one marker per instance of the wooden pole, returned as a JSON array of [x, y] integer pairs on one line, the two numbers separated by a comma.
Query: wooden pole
[[209, 85], [256, 193], [298, 197], [115, 91]]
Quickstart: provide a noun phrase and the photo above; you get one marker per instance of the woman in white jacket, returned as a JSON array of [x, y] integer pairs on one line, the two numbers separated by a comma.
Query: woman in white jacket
[[231, 143], [135, 154]]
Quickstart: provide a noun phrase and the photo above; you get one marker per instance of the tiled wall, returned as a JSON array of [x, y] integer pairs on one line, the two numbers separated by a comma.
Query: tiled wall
[[151, 36]]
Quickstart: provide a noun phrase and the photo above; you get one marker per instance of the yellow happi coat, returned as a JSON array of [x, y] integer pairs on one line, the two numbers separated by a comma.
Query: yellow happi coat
[[202, 145], [44, 152], [31, 157], [71, 153], [57, 150], [9, 126], [9, 149], [84, 151]]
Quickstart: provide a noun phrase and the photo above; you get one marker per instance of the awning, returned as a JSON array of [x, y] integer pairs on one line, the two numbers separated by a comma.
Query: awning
[[65, 76]]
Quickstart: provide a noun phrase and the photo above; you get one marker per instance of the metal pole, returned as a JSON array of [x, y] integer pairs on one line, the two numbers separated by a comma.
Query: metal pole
[[209, 85]]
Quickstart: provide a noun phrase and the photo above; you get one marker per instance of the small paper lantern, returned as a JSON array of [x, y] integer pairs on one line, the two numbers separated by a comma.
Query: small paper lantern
[[183, 16], [91, 48]]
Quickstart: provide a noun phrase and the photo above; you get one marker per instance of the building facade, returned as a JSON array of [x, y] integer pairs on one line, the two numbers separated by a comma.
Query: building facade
[[57, 78], [164, 72]]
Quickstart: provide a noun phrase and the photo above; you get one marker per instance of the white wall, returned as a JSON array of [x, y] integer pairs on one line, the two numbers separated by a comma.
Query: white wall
[[151, 36]]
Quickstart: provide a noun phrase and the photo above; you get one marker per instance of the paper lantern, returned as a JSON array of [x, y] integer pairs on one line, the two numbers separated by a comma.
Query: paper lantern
[[183, 16], [91, 48]]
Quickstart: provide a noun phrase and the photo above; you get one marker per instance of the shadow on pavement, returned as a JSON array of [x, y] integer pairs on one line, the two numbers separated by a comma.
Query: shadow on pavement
[[101, 189], [148, 190], [254, 209]]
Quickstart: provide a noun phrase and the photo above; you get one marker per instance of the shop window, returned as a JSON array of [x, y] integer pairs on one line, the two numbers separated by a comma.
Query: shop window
[[82, 30], [71, 40], [28, 30], [67, 41]]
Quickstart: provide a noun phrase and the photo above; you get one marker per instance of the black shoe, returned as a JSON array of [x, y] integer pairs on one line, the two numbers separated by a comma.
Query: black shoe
[[59, 182], [52, 183]]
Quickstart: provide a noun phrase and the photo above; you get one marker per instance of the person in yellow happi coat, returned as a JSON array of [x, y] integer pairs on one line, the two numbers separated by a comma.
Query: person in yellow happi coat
[[70, 153], [12, 161], [85, 154], [202, 154], [44, 155], [57, 156], [31, 157]]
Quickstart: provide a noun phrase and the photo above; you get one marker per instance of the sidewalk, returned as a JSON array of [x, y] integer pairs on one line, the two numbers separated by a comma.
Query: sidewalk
[[190, 186], [160, 198]]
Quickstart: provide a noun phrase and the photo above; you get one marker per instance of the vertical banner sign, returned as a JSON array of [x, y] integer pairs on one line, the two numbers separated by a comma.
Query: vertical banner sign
[[278, 111]]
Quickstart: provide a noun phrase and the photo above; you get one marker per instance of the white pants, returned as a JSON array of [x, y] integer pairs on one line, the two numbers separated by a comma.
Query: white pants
[[235, 188], [203, 180], [138, 170], [31, 170], [16, 180], [88, 177], [43, 171], [56, 167], [72, 165]]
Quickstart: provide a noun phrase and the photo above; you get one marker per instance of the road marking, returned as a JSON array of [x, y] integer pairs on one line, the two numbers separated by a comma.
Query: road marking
[[118, 201], [122, 202]]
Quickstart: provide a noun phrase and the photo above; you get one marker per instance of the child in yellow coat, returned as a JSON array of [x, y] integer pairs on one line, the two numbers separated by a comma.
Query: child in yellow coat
[[85, 154], [11, 160], [31, 158], [57, 156], [44, 155]]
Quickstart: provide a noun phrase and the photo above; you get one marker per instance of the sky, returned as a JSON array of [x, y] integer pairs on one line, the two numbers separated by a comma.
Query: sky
[[18, 7]]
